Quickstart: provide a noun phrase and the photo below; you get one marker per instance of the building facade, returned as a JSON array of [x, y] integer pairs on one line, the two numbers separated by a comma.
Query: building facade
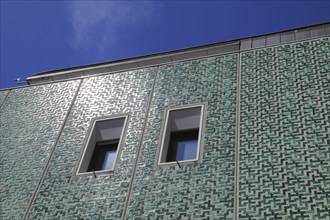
[[263, 145]]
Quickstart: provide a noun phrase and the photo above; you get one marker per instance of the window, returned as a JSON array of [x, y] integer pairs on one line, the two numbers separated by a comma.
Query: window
[[103, 156], [101, 150], [181, 137]]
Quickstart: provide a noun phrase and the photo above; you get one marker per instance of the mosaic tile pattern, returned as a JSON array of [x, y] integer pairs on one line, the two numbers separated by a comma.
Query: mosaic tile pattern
[[204, 190], [30, 121], [3, 95], [63, 195], [285, 139], [284, 150]]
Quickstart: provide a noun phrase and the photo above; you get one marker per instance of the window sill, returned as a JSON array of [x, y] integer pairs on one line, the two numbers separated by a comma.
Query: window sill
[[181, 162], [99, 172]]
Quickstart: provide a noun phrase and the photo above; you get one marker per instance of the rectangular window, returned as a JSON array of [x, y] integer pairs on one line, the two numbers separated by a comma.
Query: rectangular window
[[183, 145], [181, 134], [104, 155], [101, 150]]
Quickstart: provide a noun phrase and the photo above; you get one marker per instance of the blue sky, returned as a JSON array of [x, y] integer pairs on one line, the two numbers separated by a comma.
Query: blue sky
[[38, 36]]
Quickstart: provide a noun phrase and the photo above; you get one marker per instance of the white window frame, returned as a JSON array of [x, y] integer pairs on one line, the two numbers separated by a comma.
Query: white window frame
[[86, 143], [200, 135]]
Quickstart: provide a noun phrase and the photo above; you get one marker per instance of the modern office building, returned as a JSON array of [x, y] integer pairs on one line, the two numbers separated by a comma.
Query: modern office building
[[233, 130]]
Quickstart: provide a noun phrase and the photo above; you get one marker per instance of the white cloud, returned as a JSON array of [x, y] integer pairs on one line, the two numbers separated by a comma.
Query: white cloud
[[99, 24]]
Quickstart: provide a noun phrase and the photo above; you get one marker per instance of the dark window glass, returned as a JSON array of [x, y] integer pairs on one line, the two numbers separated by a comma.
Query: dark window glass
[[104, 155], [183, 145]]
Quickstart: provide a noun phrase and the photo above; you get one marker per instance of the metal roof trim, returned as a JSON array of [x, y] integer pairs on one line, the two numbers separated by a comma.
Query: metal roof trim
[[172, 56]]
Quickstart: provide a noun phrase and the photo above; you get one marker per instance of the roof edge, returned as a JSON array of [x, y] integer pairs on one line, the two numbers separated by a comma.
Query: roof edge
[[232, 46]]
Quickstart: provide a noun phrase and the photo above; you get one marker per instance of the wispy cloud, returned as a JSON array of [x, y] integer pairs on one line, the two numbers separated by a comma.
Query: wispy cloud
[[99, 24]]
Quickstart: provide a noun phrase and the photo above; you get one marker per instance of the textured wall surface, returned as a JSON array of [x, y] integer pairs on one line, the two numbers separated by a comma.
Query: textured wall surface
[[284, 152], [63, 195], [30, 121], [3, 95], [206, 189]]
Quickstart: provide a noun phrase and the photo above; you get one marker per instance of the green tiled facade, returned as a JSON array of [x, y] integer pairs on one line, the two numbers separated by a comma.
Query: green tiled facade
[[30, 122], [64, 195], [284, 158], [3, 95], [265, 147], [204, 189]]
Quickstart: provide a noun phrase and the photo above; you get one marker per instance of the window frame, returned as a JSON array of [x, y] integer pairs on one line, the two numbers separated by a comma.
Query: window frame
[[200, 142], [101, 148], [175, 138], [88, 139]]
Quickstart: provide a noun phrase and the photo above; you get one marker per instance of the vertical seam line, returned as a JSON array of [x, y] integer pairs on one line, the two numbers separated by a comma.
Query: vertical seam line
[[51, 154], [5, 99], [238, 108], [138, 153]]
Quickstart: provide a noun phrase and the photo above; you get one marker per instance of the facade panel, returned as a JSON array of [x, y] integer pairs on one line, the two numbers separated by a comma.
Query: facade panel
[[256, 121], [3, 95], [30, 122], [200, 190], [284, 151], [65, 195]]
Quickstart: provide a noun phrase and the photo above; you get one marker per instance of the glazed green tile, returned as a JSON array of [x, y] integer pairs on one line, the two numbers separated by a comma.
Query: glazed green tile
[[283, 153], [3, 95], [284, 142], [204, 190], [62, 193], [30, 121]]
